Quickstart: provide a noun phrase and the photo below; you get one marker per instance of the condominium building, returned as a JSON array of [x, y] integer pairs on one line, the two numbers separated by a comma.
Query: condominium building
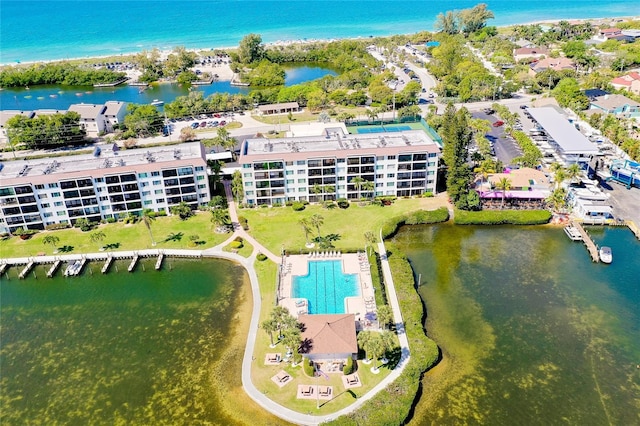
[[316, 168], [109, 183]]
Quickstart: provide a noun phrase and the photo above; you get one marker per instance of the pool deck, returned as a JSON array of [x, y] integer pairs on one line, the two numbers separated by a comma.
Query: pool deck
[[352, 263]]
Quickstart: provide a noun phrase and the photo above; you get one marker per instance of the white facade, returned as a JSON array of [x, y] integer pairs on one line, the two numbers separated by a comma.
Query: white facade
[[37, 193], [114, 114], [320, 168]]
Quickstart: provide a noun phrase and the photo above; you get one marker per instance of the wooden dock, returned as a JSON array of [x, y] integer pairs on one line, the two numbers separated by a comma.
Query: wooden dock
[[159, 261], [82, 263], [26, 270], [3, 267], [53, 268], [115, 83], [132, 265], [107, 264], [588, 242]]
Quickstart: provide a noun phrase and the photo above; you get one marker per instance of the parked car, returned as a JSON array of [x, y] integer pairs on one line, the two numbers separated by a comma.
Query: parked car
[[194, 125], [203, 124], [498, 123], [489, 111], [523, 107], [222, 123]]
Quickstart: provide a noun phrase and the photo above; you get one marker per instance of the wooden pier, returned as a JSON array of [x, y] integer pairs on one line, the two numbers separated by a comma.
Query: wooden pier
[[588, 242], [26, 270], [3, 267], [132, 265], [53, 268], [82, 263], [107, 264], [115, 83], [159, 261]]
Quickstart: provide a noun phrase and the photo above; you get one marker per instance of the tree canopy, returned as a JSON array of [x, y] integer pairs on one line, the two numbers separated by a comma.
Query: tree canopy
[[250, 49], [45, 131]]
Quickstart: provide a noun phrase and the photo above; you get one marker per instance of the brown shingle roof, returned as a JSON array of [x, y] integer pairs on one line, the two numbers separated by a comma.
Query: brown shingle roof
[[329, 334]]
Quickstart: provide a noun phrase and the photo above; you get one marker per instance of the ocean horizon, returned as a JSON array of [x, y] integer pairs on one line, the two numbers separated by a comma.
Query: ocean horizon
[[37, 30]]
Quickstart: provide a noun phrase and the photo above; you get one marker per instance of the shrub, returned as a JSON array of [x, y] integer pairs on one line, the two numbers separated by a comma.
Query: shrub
[[420, 217], [289, 203], [25, 233], [349, 367], [307, 366], [298, 206], [328, 204], [343, 203], [264, 206], [111, 220], [502, 217], [428, 194], [276, 205], [84, 224], [305, 202], [236, 244], [55, 226], [243, 222], [261, 257], [161, 213]]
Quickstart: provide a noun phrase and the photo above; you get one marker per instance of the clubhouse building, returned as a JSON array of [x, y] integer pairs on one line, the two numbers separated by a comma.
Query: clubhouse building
[[110, 183], [327, 167]]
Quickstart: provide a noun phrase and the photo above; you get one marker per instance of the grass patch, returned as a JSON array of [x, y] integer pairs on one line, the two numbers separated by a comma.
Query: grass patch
[[278, 226], [244, 251], [393, 405], [502, 217], [168, 232], [420, 217]]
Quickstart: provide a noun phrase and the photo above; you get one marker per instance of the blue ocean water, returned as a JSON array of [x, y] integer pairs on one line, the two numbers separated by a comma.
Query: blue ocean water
[[43, 30]]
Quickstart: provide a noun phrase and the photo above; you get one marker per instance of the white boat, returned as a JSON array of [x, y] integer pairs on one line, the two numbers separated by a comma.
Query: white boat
[[72, 268], [157, 102], [573, 233], [605, 254]]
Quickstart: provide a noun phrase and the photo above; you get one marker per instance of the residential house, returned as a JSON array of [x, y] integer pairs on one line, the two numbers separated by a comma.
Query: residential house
[[114, 114], [283, 108], [617, 105], [92, 118], [329, 340], [630, 82], [557, 64], [530, 53]]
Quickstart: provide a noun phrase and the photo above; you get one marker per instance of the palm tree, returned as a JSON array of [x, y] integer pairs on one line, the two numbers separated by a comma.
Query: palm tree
[[388, 343], [329, 189], [216, 168], [51, 240], [292, 340], [316, 221], [357, 182], [375, 348], [220, 217], [557, 199], [369, 187], [316, 189], [573, 171], [237, 187], [484, 169], [306, 227], [270, 325], [385, 315], [97, 237], [504, 184], [372, 114], [370, 239], [363, 339], [148, 217]]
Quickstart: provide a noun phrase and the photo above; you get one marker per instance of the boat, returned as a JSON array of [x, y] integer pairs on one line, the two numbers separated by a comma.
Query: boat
[[605, 254], [573, 233], [157, 102], [72, 268]]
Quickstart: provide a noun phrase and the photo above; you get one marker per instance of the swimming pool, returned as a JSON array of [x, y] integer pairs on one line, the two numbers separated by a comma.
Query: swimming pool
[[378, 129], [325, 287]]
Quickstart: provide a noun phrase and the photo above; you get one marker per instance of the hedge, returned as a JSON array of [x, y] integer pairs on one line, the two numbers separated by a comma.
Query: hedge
[[393, 405], [502, 217], [420, 217]]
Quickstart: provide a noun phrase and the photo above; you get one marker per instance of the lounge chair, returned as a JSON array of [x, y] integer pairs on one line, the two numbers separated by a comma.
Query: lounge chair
[[273, 358], [353, 380], [324, 390], [300, 303], [283, 377], [307, 391]]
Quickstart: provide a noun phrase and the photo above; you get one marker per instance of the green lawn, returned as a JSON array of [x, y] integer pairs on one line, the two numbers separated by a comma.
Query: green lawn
[[244, 251], [126, 237], [278, 226]]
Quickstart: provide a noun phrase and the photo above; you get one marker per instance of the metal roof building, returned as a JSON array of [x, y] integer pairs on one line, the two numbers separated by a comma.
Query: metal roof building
[[564, 136]]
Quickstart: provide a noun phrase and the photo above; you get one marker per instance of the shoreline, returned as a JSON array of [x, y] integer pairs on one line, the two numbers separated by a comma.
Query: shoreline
[[285, 42]]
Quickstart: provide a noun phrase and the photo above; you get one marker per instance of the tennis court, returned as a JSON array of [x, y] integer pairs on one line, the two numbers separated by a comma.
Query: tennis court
[[378, 129]]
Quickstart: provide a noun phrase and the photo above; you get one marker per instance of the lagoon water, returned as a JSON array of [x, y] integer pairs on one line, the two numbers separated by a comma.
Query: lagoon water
[[61, 97], [532, 332], [149, 347], [45, 30]]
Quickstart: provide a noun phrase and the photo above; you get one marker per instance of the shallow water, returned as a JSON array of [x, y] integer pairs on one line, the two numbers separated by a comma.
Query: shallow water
[[134, 348], [532, 332]]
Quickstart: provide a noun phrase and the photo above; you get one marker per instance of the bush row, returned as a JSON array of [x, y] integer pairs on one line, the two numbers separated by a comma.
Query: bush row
[[420, 217], [502, 217], [393, 405]]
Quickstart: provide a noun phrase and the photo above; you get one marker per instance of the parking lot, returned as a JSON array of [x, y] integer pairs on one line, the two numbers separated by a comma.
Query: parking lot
[[504, 147], [625, 202]]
